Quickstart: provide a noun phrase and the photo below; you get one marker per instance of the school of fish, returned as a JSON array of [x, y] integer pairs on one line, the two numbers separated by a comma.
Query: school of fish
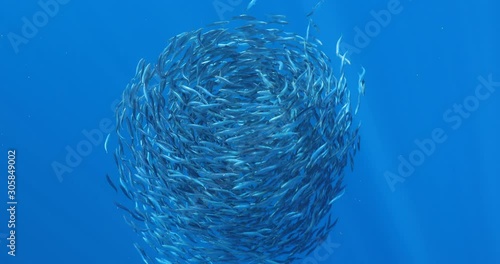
[[232, 146]]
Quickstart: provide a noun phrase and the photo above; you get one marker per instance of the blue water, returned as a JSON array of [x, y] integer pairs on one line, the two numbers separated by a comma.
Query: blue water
[[59, 83]]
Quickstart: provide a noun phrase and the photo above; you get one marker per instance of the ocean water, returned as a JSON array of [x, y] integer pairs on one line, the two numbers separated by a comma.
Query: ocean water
[[425, 185]]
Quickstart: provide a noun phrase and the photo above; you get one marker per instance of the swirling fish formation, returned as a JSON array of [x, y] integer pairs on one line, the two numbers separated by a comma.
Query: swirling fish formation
[[232, 146]]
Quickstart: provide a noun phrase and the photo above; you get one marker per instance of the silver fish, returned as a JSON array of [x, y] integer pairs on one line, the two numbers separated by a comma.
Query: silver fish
[[232, 147]]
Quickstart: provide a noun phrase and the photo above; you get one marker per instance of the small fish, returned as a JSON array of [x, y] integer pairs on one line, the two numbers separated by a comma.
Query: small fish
[[337, 47], [106, 143], [315, 8], [218, 23], [143, 253], [251, 4], [222, 79], [337, 197], [362, 81], [244, 17], [111, 183], [140, 67], [361, 88], [125, 192]]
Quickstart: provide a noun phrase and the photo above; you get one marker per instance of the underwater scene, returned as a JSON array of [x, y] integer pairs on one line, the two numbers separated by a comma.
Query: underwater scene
[[250, 132]]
